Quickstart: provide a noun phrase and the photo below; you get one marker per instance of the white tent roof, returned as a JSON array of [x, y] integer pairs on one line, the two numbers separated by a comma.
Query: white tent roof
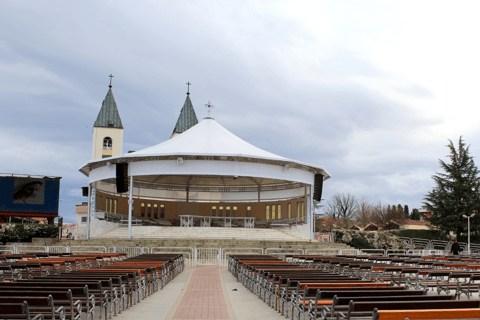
[[207, 138]]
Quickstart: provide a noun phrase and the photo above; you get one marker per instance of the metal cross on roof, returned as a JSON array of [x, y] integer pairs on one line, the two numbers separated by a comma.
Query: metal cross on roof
[[209, 105], [111, 76], [188, 87]]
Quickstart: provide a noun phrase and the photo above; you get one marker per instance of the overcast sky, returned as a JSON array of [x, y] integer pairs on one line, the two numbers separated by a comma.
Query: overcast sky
[[370, 90]]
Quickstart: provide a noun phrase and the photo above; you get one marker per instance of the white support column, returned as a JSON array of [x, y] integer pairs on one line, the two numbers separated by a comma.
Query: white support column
[[312, 219], [89, 212], [130, 208]]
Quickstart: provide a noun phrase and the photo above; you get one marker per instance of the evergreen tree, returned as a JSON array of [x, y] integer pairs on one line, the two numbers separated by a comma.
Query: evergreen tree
[[393, 212], [405, 211], [456, 191], [415, 215], [400, 212]]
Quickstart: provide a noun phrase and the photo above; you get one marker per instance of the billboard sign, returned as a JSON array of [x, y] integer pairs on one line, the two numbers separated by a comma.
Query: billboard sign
[[31, 195]]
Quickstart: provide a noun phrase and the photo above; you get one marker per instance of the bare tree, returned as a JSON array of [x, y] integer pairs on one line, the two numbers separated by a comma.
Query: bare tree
[[341, 207], [381, 214], [364, 211]]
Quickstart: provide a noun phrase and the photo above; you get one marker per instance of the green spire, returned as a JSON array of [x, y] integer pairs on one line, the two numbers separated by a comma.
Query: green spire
[[187, 118], [108, 115]]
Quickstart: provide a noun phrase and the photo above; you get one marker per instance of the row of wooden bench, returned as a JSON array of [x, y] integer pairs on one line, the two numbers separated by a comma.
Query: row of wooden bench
[[442, 277], [106, 289], [313, 293]]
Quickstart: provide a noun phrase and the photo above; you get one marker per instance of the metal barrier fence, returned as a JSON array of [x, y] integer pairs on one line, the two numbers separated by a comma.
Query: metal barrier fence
[[373, 252], [28, 249], [226, 252], [322, 251], [7, 249], [207, 256], [213, 256], [57, 249], [283, 252], [83, 249], [129, 251], [187, 252], [392, 252]]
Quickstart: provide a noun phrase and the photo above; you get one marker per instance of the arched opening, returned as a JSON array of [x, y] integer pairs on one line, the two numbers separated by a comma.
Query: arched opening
[[107, 143]]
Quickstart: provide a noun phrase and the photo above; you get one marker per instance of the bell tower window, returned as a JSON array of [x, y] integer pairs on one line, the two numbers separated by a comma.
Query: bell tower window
[[107, 143]]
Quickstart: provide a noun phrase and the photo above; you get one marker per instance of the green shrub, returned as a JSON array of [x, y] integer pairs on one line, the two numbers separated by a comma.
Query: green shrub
[[422, 234], [370, 240], [16, 232]]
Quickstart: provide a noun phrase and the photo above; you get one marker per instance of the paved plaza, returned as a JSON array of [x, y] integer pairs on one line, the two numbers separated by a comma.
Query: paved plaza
[[202, 293]]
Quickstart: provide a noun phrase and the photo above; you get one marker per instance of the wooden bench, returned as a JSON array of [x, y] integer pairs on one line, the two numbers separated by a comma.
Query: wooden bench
[[472, 285], [458, 314], [365, 309], [342, 304], [42, 307]]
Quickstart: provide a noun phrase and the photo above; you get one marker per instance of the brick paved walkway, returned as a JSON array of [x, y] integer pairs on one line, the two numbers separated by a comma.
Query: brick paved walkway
[[202, 293], [204, 297]]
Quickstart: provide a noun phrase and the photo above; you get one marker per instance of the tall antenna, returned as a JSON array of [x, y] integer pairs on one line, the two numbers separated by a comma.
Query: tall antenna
[[111, 76], [209, 105], [188, 87]]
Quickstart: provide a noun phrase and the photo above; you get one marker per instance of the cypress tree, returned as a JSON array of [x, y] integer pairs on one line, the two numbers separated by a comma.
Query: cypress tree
[[456, 191]]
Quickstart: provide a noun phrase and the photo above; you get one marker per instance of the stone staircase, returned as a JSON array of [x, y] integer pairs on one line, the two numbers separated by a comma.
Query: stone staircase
[[198, 237], [157, 232]]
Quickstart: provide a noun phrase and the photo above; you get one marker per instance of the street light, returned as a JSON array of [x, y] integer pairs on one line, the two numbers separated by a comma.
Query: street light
[[468, 217]]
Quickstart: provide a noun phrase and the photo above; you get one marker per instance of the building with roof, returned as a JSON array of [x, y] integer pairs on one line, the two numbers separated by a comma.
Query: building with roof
[[203, 175], [187, 117], [107, 129]]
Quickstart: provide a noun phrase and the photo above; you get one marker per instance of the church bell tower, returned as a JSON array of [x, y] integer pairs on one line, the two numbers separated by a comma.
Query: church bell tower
[[108, 129], [187, 118]]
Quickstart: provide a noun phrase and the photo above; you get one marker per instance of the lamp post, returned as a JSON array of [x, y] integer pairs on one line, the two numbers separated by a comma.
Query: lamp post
[[468, 217]]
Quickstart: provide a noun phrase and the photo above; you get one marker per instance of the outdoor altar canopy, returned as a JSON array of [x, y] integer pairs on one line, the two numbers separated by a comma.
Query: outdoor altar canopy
[[205, 167]]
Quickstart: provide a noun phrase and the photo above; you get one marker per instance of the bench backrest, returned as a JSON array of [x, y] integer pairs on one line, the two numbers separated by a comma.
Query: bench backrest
[[412, 305]]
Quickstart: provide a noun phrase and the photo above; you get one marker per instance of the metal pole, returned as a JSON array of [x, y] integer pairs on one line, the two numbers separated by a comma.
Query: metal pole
[[130, 208], [469, 235]]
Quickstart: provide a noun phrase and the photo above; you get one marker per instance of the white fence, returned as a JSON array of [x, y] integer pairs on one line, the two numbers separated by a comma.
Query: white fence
[[208, 256], [7, 249], [187, 252], [212, 256], [227, 252], [129, 251]]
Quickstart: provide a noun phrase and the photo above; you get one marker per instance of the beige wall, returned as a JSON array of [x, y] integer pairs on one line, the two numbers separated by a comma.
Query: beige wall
[[99, 133]]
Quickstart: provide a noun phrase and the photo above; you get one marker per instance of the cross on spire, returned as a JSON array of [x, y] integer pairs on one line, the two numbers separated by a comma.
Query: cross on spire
[[111, 76], [209, 105], [188, 87]]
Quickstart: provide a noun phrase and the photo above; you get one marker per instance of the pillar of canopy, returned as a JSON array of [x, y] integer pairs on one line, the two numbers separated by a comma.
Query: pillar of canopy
[[208, 163]]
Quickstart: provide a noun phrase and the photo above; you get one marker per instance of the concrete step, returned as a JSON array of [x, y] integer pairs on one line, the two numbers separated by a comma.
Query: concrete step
[[206, 243], [157, 232]]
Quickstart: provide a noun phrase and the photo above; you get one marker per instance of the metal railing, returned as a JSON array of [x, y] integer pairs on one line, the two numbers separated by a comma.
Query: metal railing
[[208, 256], [29, 249], [380, 252], [226, 252], [322, 251], [129, 251], [187, 252], [7, 249], [207, 221], [286, 222]]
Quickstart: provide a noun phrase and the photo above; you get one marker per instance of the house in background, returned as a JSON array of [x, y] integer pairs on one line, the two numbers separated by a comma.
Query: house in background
[[81, 222]]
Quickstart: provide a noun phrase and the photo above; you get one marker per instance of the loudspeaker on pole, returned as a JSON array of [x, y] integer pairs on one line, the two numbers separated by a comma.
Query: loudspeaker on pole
[[85, 191], [318, 186], [122, 177]]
